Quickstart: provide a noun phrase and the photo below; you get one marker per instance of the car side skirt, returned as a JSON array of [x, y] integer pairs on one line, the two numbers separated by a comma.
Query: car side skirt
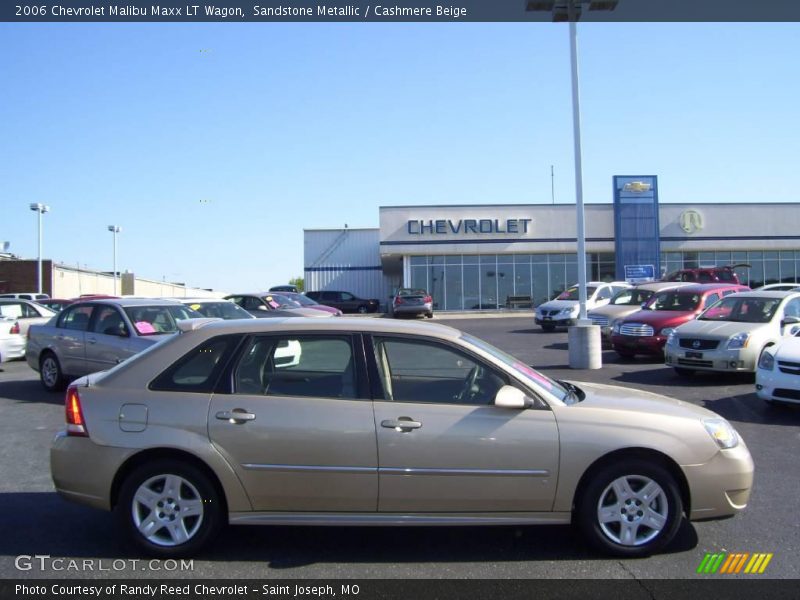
[[397, 519]]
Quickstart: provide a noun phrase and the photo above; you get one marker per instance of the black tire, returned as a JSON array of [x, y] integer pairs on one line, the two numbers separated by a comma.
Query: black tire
[[362, 310], [429, 315], [50, 373], [665, 509], [195, 488], [684, 372]]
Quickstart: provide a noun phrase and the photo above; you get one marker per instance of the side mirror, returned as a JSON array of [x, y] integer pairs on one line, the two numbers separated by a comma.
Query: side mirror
[[510, 397]]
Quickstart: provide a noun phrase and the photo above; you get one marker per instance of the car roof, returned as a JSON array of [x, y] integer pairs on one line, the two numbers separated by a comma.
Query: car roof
[[702, 288], [657, 286], [200, 300], [341, 324], [765, 294], [125, 302]]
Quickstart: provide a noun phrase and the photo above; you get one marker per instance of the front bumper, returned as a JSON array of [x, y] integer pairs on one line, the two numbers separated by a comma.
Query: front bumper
[[774, 386], [555, 321], [721, 487], [741, 360], [633, 344]]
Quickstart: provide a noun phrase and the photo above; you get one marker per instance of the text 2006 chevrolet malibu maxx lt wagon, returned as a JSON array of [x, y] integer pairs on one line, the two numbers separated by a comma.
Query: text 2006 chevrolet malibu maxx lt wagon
[[382, 423]]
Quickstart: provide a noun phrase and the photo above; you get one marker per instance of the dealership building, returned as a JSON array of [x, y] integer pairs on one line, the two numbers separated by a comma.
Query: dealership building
[[485, 257]]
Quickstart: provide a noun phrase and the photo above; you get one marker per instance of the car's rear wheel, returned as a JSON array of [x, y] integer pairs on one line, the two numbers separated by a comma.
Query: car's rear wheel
[[429, 315], [362, 309], [169, 508], [631, 508], [50, 373], [683, 372]]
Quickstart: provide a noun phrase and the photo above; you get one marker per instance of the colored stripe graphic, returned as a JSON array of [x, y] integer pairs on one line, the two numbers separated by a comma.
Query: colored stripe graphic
[[734, 563]]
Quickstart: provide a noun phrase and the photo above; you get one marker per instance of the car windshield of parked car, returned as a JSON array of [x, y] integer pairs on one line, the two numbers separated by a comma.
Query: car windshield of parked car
[[157, 320], [742, 310], [631, 297], [403, 292], [677, 301], [221, 310], [280, 301], [303, 300], [531, 375], [572, 293]]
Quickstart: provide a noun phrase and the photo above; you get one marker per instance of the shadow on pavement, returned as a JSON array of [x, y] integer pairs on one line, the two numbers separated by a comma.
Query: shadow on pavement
[[43, 523], [29, 391]]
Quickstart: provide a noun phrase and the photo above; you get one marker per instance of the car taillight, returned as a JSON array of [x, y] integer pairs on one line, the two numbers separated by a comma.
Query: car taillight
[[15, 328], [398, 300], [76, 425], [428, 299]]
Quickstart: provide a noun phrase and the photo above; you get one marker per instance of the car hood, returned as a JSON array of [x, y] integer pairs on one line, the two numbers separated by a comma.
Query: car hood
[[614, 397], [615, 311], [789, 350], [305, 312], [326, 309], [660, 318], [558, 304], [719, 329]]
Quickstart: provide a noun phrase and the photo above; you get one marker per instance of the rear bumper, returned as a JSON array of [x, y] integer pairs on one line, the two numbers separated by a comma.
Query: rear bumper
[[721, 487], [413, 309], [69, 457], [11, 348]]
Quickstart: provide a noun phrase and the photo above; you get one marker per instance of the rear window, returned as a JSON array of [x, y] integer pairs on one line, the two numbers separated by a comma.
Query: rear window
[[198, 370]]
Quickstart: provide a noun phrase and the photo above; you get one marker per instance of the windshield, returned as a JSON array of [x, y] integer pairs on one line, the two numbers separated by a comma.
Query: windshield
[[156, 320], [221, 310], [631, 297], [532, 376], [409, 292], [303, 300], [677, 301], [742, 310], [281, 301], [572, 293]]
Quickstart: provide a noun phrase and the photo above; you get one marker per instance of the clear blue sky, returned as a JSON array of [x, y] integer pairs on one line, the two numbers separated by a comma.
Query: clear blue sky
[[214, 145]]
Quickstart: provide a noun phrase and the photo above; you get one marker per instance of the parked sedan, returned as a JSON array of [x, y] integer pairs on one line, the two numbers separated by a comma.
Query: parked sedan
[[269, 304], [778, 373], [382, 422], [95, 335], [345, 301], [408, 301], [12, 342], [216, 308], [307, 302], [562, 311], [25, 312], [731, 335]]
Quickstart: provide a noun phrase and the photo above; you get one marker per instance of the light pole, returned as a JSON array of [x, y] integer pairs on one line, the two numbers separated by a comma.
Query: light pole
[[41, 209], [585, 349], [115, 229]]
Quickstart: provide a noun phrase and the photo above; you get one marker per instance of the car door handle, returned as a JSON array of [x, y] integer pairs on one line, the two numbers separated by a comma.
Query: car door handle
[[236, 416], [403, 424]]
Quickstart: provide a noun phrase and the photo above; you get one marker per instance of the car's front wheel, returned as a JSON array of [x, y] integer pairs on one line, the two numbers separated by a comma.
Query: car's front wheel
[[362, 310], [169, 508], [50, 373], [631, 508]]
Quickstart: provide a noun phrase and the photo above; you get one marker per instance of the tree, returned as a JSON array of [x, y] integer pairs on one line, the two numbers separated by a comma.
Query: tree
[[298, 282]]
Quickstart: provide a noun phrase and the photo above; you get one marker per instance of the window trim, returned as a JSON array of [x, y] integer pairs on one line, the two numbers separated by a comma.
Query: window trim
[[222, 367]]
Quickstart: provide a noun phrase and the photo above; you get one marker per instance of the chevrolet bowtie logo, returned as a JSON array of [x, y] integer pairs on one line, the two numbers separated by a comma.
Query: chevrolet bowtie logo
[[637, 187]]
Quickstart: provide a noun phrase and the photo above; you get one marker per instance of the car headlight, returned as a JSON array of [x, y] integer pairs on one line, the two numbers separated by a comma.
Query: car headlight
[[669, 333], [767, 361], [567, 311], [738, 341], [722, 432]]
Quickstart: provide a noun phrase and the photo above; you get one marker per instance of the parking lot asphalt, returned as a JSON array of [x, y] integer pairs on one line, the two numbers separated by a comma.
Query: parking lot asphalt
[[35, 521]]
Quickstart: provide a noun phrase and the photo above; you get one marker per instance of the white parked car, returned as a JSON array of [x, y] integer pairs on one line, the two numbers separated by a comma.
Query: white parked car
[[12, 342], [778, 373], [562, 311], [732, 334]]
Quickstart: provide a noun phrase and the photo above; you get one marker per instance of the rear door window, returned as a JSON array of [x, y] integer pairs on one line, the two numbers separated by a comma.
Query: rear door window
[[198, 370], [75, 318]]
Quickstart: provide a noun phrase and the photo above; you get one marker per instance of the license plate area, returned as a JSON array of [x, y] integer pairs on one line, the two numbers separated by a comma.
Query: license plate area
[[690, 354]]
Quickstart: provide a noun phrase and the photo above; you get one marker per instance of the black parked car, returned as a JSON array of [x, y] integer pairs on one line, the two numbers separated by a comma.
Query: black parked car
[[345, 301]]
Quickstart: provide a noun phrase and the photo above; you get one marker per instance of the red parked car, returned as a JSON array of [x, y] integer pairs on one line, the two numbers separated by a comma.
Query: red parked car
[[646, 331]]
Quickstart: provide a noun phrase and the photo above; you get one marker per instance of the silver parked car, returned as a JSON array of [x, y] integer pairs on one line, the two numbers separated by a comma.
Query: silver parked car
[[98, 334], [731, 335], [379, 422]]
